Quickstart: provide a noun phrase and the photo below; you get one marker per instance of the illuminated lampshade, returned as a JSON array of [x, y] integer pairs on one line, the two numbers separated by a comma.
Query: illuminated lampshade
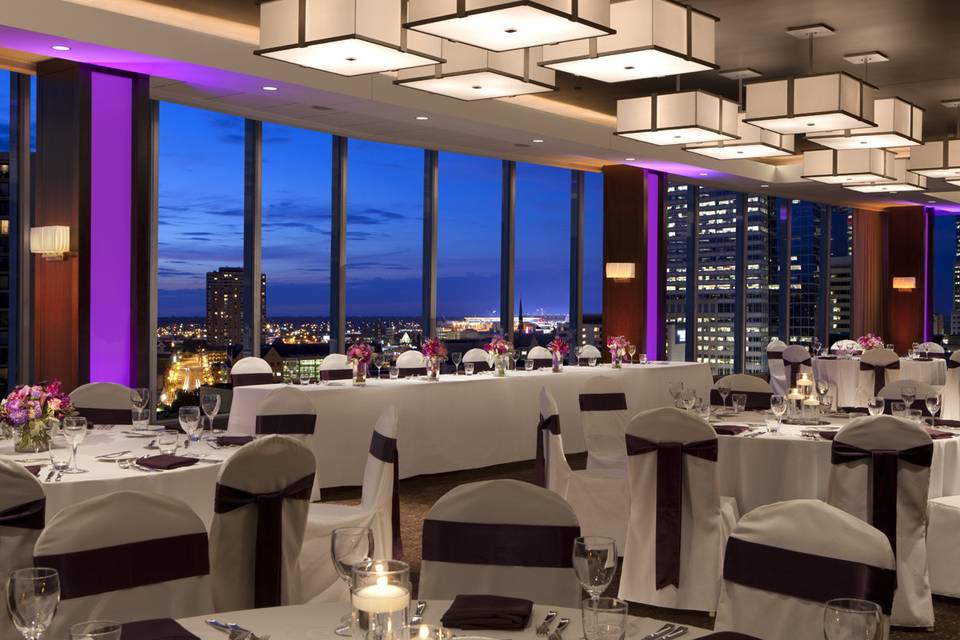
[[904, 283], [654, 38], [470, 73], [754, 142], [806, 104], [899, 124], [937, 159], [621, 271], [347, 37], [849, 166], [903, 181], [677, 118], [502, 25], [50, 242]]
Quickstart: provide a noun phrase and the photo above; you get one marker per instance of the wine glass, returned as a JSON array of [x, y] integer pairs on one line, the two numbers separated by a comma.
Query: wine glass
[[210, 402], [74, 430], [675, 389], [822, 387], [875, 406], [595, 563], [933, 406], [816, 346], [457, 358], [689, 398], [702, 408], [515, 356], [723, 388], [378, 362], [189, 421], [349, 546], [33, 596], [851, 619], [908, 393], [632, 350], [140, 399], [778, 405]]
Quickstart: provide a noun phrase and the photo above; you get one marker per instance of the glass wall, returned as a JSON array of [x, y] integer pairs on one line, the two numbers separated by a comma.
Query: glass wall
[[592, 244], [681, 208], [718, 215], [761, 230], [5, 310], [841, 273], [806, 235], [945, 276]]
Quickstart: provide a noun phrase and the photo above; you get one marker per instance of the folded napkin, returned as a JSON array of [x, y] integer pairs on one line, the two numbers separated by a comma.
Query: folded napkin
[[33, 468], [826, 357], [936, 434], [827, 434], [488, 612], [855, 410], [730, 429], [159, 629], [722, 635], [943, 422], [165, 462], [233, 441]]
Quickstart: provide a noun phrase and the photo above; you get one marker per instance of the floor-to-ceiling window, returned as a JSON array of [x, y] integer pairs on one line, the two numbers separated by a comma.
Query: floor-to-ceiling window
[[718, 216], [841, 273], [945, 278], [761, 240], [5, 275], [680, 210], [806, 270], [592, 244]]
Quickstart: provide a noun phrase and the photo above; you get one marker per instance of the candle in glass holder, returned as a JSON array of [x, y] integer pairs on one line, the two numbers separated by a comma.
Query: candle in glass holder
[[380, 599]]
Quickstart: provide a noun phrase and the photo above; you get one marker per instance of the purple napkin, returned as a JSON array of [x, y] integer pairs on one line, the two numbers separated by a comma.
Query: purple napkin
[[943, 422], [233, 441], [488, 612], [937, 434], [166, 462], [827, 434], [33, 468], [159, 629], [725, 635], [730, 429]]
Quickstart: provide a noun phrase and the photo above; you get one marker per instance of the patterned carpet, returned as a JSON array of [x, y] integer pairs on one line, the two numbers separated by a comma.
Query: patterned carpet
[[417, 495]]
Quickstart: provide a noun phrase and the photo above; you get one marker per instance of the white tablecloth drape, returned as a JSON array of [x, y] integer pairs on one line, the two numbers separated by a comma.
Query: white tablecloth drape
[[844, 375], [459, 422]]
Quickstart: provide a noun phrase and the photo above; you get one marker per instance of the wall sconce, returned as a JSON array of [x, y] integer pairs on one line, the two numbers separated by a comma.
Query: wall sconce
[[621, 271], [903, 283], [52, 243]]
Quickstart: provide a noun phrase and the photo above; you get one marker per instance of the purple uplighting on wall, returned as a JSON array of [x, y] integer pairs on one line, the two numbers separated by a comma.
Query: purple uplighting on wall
[[927, 212], [111, 157], [653, 265]]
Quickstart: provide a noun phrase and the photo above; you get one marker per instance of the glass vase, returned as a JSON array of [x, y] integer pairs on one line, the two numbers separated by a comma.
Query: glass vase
[[359, 373], [380, 600], [433, 369], [31, 438], [557, 362], [500, 366], [615, 359]]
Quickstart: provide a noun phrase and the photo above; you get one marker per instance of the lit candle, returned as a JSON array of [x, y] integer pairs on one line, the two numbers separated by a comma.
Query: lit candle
[[795, 395], [381, 597], [811, 402]]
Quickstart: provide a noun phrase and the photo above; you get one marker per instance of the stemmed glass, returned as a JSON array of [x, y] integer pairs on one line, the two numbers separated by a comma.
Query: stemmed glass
[[689, 398], [595, 563], [822, 387], [778, 405], [189, 421], [908, 393], [74, 430], [457, 358], [349, 546], [632, 350], [32, 599], [723, 389], [378, 361], [140, 399], [851, 619], [817, 347], [875, 406], [675, 389], [210, 402], [515, 356], [933, 407]]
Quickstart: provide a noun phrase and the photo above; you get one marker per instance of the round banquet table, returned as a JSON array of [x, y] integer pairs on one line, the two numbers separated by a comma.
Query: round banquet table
[[459, 422], [195, 484], [844, 375], [770, 468]]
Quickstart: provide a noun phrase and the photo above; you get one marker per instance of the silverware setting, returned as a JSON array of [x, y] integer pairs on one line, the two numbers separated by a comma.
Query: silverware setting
[[544, 627], [59, 475], [558, 632], [114, 454], [235, 631], [667, 632], [676, 633], [50, 474]]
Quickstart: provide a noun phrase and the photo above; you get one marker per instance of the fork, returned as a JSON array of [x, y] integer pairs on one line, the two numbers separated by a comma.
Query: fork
[[556, 635], [659, 633], [544, 627]]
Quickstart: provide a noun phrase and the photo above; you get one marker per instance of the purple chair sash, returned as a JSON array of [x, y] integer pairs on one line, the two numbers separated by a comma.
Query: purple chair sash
[[793, 369], [542, 363], [336, 374], [879, 373], [516, 545], [806, 576], [126, 566], [756, 400], [247, 379], [287, 423], [97, 415], [385, 449], [670, 497], [551, 424], [268, 554], [952, 364], [406, 372], [29, 515], [603, 402], [885, 465], [774, 355]]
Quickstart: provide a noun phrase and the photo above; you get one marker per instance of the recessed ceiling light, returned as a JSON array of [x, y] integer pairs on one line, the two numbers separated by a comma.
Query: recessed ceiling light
[[764, 186], [60, 47], [268, 87], [630, 159], [537, 140], [423, 117]]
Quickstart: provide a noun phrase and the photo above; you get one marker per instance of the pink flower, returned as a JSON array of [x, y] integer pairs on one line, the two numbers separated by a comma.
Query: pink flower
[[498, 346], [433, 348], [559, 345], [360, 353]]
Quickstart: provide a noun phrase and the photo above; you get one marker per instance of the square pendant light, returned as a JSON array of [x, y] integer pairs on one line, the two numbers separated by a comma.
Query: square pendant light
[[937, 159], [653, 38], [470, 73], [346, 37], [807, 104], [754, 142], [677, 118], [502, 25], [903, 181], [849, 166], [899, 124]]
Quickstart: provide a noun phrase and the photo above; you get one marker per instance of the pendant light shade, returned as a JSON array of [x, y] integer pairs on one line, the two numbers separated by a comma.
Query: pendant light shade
[[653, 38], [899, 124], [903, 181], [677, 118], [937, 159], [753, 142], [849, 166], [807, 104], [470, 73], [502, 25], [346, 37]]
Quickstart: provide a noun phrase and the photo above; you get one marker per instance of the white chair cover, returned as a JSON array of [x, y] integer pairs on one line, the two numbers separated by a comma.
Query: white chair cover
[[471, 544], [479, 358], [412, 363], [849, 346], [873, 362], [793, 361], [655, 438], [828, 539], [951, 390], [943, 523], [757, 389], [589, 351], [540, 356], [151, 557], [336, 366], [22, 510], [103, 402], [251, 370], [598, 497], [855, 480], [288, 411], [603, 414], [932, 347], [775, 365], [248, 571], [376, 509]]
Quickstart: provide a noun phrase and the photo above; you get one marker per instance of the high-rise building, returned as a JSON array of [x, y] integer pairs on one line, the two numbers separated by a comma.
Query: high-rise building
[[955, 315], [717, 218], [680, 209], [806, 230], [5, 301], [841, 273], [225, 306], [761, 236]]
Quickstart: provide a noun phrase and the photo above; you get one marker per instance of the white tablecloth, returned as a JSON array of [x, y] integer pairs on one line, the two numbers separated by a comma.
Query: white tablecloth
[[770, 468], [845, 374], [317, 621], [459, 422], [194, 485]]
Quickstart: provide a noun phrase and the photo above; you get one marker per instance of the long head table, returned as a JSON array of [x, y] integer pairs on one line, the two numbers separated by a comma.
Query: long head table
[[459, 422]]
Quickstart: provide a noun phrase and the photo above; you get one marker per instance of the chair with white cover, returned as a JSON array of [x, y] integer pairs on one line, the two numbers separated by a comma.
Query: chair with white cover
[[603, 415], [893, 392], [758, 390], [126, 556], [588, 352], [878, 367], [785, 560], [541, 357], [951, 390], [378, 510], [775, 362], [932, 347], [260, 513], [598, 497], [479, 358], [335, 366], [22, 511], [288, 411], [411, 363], [103, 402], [678, 520], [881, 474], [505, 537], [251, 370], [785, 366], [943, 558], [846, 345]]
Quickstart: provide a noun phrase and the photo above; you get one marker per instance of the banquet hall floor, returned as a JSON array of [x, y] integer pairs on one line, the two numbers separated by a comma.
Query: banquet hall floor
[[418, 494]]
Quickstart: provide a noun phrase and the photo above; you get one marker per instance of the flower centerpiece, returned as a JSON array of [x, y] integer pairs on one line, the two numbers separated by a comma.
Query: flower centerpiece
[[499, 349], [559, 349], [870, 341], [436, 353], [30, 412], [618, 346], [359, 355]]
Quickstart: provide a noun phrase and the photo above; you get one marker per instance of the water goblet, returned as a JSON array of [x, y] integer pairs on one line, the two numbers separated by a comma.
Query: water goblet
[[595, 563], [456, 357], [875, 406], [689, 398], [778, 405], [851, 619], [826, 404], [739, 402], [96, 630], [604, 618], [60, 456], [908, 393], [675, 389], [378, 362], [816, 346], [189, 421], [579, 353], [933, 406], [915, 350], [723, 388], [75, 431], [210, 403], [33, 596], [167, 442], [632, 350], [349, 546], [823, 387], [592, 362], [140, 397], [515, 356], [702, 408]]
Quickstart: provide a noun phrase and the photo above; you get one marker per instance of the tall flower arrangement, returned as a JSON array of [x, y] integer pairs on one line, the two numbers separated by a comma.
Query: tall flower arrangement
[[870, 341], [499, 349], [617, 345], [29, 412], [435, 352]]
